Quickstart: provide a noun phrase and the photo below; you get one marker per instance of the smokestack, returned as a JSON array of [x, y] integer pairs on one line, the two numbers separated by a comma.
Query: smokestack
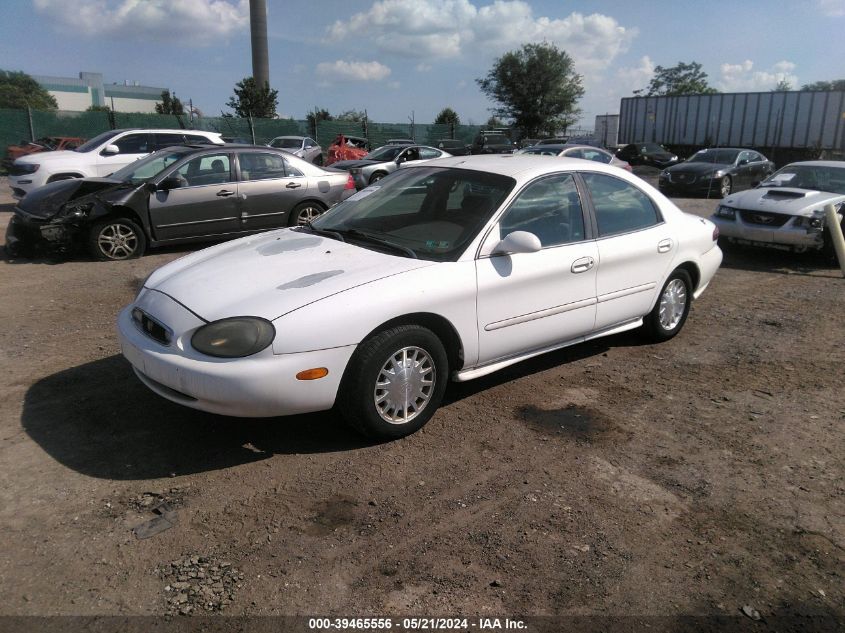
[[258, 31]]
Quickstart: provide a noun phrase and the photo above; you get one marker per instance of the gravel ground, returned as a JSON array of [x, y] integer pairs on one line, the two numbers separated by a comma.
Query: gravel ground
[[695, 477]]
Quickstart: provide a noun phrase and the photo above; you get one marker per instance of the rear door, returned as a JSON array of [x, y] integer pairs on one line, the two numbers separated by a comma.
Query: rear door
[[269, 188], [635, 249], [205, 204]]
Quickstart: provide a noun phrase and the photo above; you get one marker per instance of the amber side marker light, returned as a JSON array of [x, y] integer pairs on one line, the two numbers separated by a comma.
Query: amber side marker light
[[312, 374]]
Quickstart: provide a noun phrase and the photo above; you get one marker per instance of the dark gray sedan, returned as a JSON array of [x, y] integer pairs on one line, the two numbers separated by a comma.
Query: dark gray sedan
[[176, 195], [715, 173], [385, 160]]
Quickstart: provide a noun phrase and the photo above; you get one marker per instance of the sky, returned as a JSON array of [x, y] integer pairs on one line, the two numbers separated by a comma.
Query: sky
[[411, 58]]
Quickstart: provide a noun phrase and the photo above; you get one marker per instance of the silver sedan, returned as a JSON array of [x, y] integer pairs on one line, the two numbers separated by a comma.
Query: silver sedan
[[303, 146], [385, 160]]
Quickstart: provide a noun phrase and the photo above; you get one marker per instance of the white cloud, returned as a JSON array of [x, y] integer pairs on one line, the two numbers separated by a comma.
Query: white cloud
[[423, 68], [192, 22], [633, 78], [831, 8], [341, 70], [743, 78], [440, 29]]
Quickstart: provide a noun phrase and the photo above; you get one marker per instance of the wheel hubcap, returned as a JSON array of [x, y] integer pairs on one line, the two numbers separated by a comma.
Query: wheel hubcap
[[117, 241], [673, 301], [726, 187], [307, 214], [404, 385]]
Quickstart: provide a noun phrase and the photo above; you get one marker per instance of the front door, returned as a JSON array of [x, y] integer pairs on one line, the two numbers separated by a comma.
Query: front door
[[529, 301], [204, 204]]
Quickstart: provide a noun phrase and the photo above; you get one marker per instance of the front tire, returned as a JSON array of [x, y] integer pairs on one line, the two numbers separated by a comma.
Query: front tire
[[377, 176], [304, 212], [116, 239], [673, 304], [394, 382], [725, 186]]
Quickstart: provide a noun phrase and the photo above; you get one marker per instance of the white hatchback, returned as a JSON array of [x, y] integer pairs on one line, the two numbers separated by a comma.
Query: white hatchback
[[102, 155], [449, 270]]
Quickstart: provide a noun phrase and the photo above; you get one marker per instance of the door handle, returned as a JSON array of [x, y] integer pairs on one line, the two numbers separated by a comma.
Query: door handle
[[224, 193], [664, 246], [582, 265], [292, 185]]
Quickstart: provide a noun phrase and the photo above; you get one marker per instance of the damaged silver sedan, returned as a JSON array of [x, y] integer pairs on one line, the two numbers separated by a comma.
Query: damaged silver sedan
[[176, 195]]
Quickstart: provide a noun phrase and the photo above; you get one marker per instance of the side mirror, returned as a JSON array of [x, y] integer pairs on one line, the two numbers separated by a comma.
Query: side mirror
[[518, 242], [171, 182], [110, 150]]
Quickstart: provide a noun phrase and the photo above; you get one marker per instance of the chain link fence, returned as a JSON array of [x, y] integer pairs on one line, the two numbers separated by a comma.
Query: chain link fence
[[18, 126]]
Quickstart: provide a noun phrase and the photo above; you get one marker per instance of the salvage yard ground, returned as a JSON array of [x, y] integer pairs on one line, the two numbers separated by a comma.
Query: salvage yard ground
[[698, 476]]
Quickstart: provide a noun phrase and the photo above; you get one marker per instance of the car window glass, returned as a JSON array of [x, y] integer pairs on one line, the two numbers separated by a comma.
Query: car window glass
[[574, 153], [167, 140], [310, 142], [426, 153], [196, 138], [601, 157], [210, 169], [140, 170], [133, 144], [620, 207], [292, 172], [550, 209], [257, 166]]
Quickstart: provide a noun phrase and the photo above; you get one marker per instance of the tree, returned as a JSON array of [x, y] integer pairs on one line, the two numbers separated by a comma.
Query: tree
[[98, 108], [19, 90], [683, 79], [495, 121], [314, 117], [536, 87], [827, 86], [351, 115], [169, 104], [783, 86], [447, 116], [253, 100]]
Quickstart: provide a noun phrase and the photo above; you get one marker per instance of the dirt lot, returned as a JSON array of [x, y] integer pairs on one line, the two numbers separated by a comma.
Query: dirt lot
[[613, 478]]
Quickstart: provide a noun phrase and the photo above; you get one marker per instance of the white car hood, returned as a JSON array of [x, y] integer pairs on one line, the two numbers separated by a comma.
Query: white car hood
[[58, 156], [787, 200], [271, 274]]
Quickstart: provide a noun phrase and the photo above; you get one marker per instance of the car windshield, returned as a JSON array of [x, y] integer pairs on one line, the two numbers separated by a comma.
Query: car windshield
[[817, 177], [652, 147], [286, 143], [428, 211], [388, 152], [98, 140], [542, 151], [140, 170], [720, 156]]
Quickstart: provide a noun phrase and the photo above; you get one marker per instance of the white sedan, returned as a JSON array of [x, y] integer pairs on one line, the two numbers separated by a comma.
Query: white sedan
[[452, 269]]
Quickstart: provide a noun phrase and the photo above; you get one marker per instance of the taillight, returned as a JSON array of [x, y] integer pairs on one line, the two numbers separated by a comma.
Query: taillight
[[350, 184], [715, 233]]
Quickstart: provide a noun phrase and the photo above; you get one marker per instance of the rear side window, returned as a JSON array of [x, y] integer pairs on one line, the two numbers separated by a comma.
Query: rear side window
[[620, 207], [196, 138], [167, 140]]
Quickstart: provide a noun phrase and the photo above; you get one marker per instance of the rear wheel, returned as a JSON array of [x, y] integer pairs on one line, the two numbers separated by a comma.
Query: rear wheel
[[377, 176], [304, 212], [394, 382], [670, 312], [116, 239]]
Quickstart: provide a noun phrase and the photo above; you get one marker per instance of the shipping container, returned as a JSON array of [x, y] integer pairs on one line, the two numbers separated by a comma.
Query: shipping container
[[607, 129], [793, 119]]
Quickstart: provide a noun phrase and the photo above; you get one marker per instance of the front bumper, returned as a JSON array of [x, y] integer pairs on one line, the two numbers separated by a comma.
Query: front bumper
[[262, 385], [22, 185], [698, 186], [26, 233], [796, 238]]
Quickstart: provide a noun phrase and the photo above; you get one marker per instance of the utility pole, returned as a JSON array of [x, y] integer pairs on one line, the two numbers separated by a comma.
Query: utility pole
[[258, 33]]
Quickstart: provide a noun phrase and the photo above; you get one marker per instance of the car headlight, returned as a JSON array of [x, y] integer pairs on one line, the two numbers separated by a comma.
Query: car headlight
[[728, 213], [75, 210], [234, 337], [26, 168]]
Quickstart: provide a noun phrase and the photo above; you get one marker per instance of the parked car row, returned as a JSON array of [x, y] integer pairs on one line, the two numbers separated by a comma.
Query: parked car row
[[385, 160]]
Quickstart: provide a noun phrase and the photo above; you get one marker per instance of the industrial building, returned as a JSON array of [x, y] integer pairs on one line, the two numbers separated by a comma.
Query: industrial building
[[81, 93]]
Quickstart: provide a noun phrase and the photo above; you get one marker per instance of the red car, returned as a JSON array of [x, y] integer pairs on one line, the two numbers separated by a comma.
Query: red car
[[346, 148], [44, 144]]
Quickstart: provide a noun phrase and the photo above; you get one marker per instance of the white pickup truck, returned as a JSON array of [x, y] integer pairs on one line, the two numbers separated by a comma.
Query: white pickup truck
[[102, 155]]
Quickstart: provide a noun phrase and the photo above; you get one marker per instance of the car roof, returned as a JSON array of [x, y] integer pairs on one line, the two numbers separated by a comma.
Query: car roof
[[291, 136], [518, 166], [819, 163]]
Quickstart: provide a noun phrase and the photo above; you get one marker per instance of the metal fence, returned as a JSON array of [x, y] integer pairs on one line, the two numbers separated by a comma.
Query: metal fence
[[26, 125]]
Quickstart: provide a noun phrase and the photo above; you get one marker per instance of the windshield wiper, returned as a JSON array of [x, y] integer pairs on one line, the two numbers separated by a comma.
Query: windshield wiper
[[324, 232], [368, 237]]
